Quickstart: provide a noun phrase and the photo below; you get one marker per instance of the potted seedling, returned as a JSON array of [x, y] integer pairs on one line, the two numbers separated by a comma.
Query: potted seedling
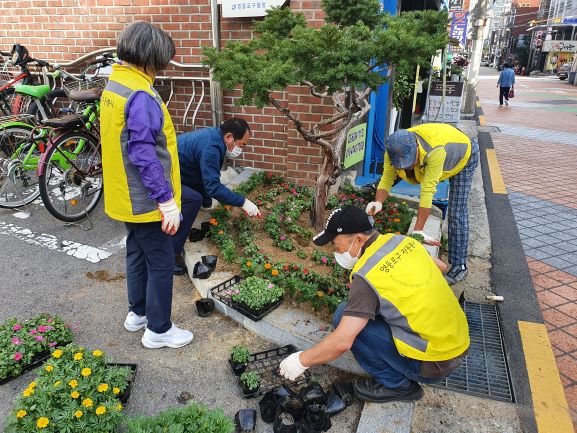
[[250, 382], [239, 358], [255, 296]]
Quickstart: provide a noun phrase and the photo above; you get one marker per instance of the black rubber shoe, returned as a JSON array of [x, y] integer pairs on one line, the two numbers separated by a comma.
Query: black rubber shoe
[[179, 266], [456, 274], [372, 391]]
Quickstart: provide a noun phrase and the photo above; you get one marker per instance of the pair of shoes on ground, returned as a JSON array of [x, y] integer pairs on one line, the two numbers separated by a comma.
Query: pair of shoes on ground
[[456, 274], [372, 391], [174, 337]]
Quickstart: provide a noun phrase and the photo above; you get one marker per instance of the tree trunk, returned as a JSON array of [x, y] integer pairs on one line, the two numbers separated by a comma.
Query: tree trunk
[[324, 181]]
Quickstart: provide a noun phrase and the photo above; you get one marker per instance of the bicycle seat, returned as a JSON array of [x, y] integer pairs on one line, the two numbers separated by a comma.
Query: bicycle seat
[[67, 121], [34, 91], [87, 95]]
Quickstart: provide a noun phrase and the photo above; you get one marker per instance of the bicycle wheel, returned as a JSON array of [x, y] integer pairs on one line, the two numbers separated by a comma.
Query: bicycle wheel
[[6, 99], [71, 184], [19, 158]]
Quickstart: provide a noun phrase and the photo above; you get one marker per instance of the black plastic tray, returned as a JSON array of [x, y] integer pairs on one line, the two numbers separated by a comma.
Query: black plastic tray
[[37, 361], [123, 397], [266, 364], [218, 292]]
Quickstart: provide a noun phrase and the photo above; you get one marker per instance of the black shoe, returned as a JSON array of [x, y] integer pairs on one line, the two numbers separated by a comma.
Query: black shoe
[[179, 266], [456, 274], [372, 391]]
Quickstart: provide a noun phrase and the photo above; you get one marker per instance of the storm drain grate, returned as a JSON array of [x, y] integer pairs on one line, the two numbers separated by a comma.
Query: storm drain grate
[[484, 372]]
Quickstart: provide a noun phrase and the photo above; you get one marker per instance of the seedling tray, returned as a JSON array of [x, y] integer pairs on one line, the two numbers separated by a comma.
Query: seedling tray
[[219, 292], [37, 361], [123, 397], [266, 364]]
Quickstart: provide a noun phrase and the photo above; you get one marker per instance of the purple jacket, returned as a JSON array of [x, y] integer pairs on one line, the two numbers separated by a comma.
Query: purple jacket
[[144, 120]]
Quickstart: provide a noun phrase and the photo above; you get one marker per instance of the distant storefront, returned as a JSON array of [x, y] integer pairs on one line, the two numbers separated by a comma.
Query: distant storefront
[[558, 53]]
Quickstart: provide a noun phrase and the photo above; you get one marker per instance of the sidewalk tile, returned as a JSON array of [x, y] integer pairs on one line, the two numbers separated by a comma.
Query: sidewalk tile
[[551, 299], [557, 318], [568, 366], [563, 341], [545, 281], [540, 266], [570, 309], [562, 277], [567, 292], [557, 263]]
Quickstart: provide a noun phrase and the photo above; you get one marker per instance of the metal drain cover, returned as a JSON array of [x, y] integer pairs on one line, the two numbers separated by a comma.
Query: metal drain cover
[[484, 372]]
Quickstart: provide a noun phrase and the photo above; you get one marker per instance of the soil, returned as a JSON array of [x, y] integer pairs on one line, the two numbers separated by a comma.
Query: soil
[[104, 275]]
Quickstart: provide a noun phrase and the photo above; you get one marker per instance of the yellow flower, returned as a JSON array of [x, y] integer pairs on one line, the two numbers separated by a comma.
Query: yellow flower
[[86, 372], [42, 422], [320, 294], [28, 392], [116, 390], [397, 220], [103, 387], [74, 394], [57, 353], [267, 266], [32, 385], [274, 272], [97, 353], [87, 402], [78, 413], [21, 413], [57, 384], [100, 410], [73, 383], [119, 407], [78, 356], [49, 368], [248, 264]]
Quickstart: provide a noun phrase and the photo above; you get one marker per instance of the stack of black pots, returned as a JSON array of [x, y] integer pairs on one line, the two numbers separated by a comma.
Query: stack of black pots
[[308, 411]]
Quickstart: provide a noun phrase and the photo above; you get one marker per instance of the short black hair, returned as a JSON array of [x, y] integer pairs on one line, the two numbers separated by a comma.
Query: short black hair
[[145, 46], [505, 65], [236, 126]]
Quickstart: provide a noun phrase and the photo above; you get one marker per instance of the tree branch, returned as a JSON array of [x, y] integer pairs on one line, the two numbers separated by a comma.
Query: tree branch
[[307, 135], [337, 103], [313, 91]]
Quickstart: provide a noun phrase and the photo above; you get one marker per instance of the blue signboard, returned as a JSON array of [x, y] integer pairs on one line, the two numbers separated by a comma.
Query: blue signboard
[[459, 26]]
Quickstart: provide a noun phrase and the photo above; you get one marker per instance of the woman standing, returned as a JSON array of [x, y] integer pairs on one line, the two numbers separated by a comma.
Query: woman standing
[[142, 180]]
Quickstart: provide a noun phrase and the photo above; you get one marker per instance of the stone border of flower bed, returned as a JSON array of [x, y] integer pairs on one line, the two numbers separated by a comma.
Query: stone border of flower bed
[[285, 325]]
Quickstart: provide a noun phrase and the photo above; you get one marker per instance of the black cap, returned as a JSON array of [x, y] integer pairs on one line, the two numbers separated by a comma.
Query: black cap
[[341, 221]]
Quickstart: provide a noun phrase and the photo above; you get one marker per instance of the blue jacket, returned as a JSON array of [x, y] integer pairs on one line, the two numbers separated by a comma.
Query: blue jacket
[[201, 154], [506, 78]]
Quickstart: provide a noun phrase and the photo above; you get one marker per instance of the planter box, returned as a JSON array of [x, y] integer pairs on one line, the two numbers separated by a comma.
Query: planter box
[[219, 292], [124, 396]]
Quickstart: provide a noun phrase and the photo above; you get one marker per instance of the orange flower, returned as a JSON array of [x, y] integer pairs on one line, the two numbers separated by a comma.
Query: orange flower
[[221, 232], [267, 266], [274, 272], [248, 264], [397, 220], [228, 207], [213, 222]]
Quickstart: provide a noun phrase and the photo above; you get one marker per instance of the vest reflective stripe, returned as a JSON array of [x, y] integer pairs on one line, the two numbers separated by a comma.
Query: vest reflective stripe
[[455, 153], [424, 316]]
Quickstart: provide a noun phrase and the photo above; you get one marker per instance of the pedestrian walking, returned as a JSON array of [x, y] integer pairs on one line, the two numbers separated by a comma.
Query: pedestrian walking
[[506, 83], [402, 321], [427, 154], [142, 180]]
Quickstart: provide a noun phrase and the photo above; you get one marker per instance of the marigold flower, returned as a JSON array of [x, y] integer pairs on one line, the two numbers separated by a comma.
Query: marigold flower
[[78, 356], [221, 232], [78, 414], [27, 392], [116, 390], [74, 394], [21, 413], [97, 353], [103, 387], [57, 384], [249, 264], [100, 410], [73, 383], [213, 222], [87, 402], [86, 372], [228, 207], [119, 407], [32, 385], [320, 294], [274, 272], [57, 353], [267, 266], [42, 422], [49, 368], [397, 220]]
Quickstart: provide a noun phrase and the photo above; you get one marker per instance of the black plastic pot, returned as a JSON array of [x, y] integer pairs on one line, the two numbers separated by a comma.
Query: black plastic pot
[[201, 271], [125, 395], [196, 235], [245, 420], [292, 405], [345, 391], [204, 307], [284, 391], [313, 393], [334, 404], [237, 369], [285, 423], [268, 407], [316, 418], [209, 261], [248, 392], [205, 228]]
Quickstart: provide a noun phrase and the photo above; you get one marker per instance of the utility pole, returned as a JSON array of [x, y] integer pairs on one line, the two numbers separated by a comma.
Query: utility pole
[[480, 18]]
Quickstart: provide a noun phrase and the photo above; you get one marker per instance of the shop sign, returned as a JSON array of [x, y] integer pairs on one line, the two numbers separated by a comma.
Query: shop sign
[[355, 149], [459, 27], [560, 46], [447, 109], [248, 8], [455, 5]]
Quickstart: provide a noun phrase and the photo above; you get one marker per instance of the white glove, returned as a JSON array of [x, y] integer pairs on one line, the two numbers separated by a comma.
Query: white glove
[[291, 367], [374, 207], [250, 208], [429, 240], [170, 216]]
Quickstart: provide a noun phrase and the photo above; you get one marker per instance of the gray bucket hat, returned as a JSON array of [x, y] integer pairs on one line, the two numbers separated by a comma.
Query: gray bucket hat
[[401, 147]]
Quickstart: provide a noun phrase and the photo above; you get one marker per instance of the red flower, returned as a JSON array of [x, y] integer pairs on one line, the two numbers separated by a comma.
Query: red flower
[[295, 268], [285, 268], [305, 271]]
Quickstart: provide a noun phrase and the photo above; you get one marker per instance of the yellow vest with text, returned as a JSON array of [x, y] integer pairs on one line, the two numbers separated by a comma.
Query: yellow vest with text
[[125, 196], [424, 315], [432, 137]]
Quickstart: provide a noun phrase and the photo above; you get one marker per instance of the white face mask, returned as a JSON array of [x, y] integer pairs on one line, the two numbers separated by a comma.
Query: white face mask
[[235, 152], [345, 260]]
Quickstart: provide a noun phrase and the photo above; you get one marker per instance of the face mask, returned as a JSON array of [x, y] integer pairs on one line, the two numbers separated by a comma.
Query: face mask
[[345, 260], [234, 153]]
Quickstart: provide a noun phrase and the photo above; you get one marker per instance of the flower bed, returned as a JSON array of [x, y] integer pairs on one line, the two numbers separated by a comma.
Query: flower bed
[[75, 391], [25, 345], [278, 247]]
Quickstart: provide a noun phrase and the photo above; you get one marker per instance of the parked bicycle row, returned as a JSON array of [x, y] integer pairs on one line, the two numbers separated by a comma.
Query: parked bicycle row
[[49, 136]]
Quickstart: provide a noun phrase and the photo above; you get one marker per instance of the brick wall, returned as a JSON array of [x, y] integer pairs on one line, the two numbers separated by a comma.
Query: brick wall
[[63, 30]]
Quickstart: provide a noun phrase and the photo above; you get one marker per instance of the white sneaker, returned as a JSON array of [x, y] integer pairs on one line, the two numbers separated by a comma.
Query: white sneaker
[[506, 103], [174, 337], [134, 322]]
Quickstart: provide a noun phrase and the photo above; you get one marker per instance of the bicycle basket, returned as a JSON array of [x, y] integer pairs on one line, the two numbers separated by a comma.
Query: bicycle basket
[[89, 83]]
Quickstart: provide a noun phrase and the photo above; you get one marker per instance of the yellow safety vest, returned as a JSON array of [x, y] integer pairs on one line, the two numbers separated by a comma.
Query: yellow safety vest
[[125, 196], [432, 137], [426, 320]]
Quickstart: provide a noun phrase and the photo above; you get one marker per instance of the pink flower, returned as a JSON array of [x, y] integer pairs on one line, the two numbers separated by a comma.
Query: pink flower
[[324, 260], [16, 341], [17, 356], [288, 219], [50, 320], [16, 327], [283, 237], [54, 343], [270, 286], [44, 328], [39, 338], [236, 292], [33, 331]]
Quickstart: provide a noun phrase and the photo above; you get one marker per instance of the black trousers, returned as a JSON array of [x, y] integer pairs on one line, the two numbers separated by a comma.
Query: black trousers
[[503, 91]]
